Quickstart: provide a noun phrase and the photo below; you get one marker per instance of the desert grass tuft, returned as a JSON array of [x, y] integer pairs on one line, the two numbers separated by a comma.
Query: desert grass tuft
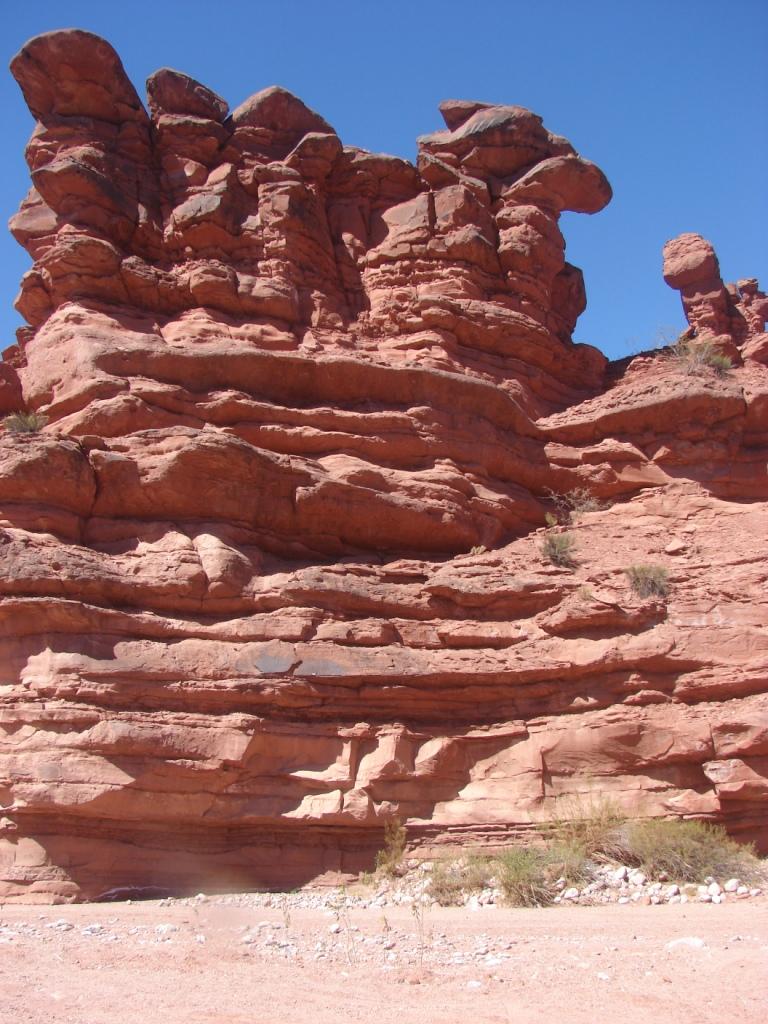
[[24, 422], [559, 549], [648, 580]]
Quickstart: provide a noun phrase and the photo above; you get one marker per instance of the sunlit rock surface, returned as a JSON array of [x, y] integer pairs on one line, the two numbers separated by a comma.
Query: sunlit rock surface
[[271, 573]]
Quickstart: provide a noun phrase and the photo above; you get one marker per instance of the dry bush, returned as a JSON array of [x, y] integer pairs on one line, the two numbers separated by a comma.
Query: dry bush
[[569, 505], [688, 851], [697, 357], [559, 549], [446, 885], [390, 856], [24, 422], [648, 580], [569, 860], [589, 829], [452, 880], [525, 878]]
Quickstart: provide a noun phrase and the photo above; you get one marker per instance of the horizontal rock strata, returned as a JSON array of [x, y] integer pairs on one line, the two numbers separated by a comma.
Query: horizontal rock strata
[[272, 572]]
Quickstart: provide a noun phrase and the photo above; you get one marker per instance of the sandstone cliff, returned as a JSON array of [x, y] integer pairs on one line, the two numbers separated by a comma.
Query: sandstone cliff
[[273, 573]]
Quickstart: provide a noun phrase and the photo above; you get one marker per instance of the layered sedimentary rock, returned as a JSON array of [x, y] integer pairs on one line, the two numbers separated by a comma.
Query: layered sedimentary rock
[[272, 573], [730, 316]]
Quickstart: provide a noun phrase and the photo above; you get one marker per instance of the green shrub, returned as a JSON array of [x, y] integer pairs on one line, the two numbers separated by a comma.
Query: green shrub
[[524, 877], [696, 357], [559, 549], [648, 580], [688, 851], [390, 856], [24, 422]]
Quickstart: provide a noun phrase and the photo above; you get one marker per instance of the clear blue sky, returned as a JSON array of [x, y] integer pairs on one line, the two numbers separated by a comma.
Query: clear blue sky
[[669, 97]]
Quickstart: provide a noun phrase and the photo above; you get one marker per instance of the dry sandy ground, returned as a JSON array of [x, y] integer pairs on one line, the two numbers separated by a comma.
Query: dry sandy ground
[[212, 963]]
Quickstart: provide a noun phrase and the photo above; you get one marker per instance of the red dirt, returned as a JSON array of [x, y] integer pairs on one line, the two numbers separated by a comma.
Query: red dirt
[[569, 964]]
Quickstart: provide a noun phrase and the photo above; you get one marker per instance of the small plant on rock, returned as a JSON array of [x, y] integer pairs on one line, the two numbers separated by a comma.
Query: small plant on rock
[[570, 505], [24, 422], [648, 580], [696, 357], [559, 549], [720, 364], [390, 856]]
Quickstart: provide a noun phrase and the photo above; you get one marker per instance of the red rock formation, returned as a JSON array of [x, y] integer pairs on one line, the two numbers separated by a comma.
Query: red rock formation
[[289, 385], [731, 316]]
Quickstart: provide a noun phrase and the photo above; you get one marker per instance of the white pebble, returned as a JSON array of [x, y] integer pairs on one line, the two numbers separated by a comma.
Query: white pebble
[[690, 942], [732, 885]]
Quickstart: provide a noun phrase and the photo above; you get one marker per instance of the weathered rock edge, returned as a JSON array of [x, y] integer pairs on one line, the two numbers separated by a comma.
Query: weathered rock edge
[[294, 394]]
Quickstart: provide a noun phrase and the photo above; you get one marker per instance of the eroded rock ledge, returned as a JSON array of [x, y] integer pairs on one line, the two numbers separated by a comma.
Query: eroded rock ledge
[[272, 574]]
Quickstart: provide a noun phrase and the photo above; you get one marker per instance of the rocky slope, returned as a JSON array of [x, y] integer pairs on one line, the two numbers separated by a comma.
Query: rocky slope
[[273, 572]]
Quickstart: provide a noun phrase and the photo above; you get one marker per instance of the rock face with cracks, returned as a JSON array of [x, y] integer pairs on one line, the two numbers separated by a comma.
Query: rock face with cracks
[[730, 317], [272, 572]]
